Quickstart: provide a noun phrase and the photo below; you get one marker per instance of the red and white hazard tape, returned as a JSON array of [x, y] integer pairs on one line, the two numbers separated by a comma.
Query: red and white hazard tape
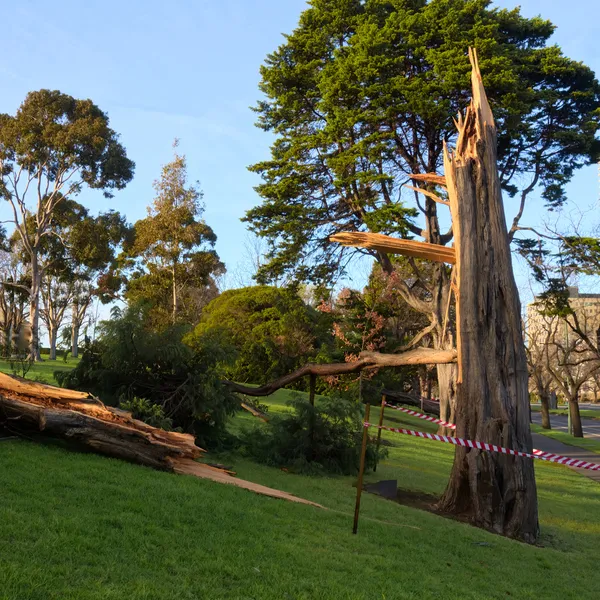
[[414, 413], [557, 458]]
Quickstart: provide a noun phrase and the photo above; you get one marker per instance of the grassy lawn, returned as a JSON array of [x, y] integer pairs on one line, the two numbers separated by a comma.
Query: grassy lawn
[[586, 413], [42, 371], [565, 438], [79, 526]]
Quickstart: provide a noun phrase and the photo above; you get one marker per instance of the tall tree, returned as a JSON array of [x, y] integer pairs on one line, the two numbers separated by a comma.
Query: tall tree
[[537, 347], [53, 147], [174, 246], [362, 94]]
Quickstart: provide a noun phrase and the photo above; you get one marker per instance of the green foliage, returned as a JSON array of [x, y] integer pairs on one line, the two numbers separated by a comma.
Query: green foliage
[[131, 360], [20, 363], [362, 93], [55, 133], [144, 410], [326, 437], [272, 330]]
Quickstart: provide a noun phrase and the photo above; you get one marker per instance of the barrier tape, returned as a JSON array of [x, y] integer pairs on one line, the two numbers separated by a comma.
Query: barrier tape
[[414, 413], [547, 456]]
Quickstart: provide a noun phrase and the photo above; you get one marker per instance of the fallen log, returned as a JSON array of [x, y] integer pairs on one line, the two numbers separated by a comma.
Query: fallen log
[[428, 406], [83, 420], [366, 360]]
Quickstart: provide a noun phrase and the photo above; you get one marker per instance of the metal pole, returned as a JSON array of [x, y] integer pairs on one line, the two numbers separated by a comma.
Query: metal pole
[[379, 430], [361, 470]]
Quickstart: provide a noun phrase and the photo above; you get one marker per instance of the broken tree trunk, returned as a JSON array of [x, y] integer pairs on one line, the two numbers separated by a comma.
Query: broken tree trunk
[[497, 492], [80, 419], [391, 245]]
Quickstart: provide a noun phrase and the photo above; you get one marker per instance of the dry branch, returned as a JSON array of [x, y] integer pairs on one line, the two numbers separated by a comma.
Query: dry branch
[[367, 360], [427, 193], [429, 178], [390, 245]]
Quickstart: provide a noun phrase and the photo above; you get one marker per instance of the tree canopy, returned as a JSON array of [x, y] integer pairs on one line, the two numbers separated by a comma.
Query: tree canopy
[[363, 93]]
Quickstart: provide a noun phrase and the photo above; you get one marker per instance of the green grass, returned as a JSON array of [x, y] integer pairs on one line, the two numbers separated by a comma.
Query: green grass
[[42, 372], [586, 443], [79, 526], [587, 413]]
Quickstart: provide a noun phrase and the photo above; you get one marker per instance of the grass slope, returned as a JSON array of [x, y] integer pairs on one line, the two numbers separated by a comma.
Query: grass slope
[[41, 371], [83, 527]]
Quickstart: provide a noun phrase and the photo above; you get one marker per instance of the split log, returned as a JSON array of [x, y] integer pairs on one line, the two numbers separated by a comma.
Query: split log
[[496, 491], [391, 245], [83, 420], [367, 360]]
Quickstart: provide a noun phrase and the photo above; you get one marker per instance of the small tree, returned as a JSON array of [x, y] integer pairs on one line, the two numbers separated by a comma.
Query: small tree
[[53, 147], [569, 362], [56, 297], [173, 244], [537, 345]]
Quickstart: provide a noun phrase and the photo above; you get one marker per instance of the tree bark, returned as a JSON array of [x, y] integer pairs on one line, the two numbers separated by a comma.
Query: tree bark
[[496, 491], [34, 310], [447, 390], [545, 402], [575, 418], [52, 334], [75, 327], [175, 307]]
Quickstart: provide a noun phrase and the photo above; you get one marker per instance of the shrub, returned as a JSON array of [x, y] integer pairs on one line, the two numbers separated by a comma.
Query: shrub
[[324, 438], [144, 410], [133, 361], [272, 330]]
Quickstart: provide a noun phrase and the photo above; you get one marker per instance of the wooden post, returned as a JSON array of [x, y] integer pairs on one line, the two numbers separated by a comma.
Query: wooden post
[[379, 430], [311, 399], [361, 470], [311, 395]]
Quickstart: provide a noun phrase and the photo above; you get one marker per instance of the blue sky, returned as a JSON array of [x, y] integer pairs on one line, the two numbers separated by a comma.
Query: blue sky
[[189, 69]]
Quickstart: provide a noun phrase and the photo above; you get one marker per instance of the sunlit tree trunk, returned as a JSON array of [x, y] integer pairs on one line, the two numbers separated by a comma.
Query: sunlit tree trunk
[[496, 491]]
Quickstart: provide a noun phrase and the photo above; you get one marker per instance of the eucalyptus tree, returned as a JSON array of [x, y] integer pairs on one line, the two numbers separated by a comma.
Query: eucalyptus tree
[[52, 148]]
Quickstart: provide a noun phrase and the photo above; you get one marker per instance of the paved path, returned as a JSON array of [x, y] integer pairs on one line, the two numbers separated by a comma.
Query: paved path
[[591, 427], [542, 442]]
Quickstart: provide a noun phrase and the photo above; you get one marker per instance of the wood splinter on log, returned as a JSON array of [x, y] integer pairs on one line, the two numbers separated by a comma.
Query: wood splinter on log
[[391, 245], [85, 422]]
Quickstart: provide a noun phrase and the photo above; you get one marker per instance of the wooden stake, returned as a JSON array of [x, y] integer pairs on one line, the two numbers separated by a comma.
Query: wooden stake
[[361, 470], [379, 430], [311, 398]]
